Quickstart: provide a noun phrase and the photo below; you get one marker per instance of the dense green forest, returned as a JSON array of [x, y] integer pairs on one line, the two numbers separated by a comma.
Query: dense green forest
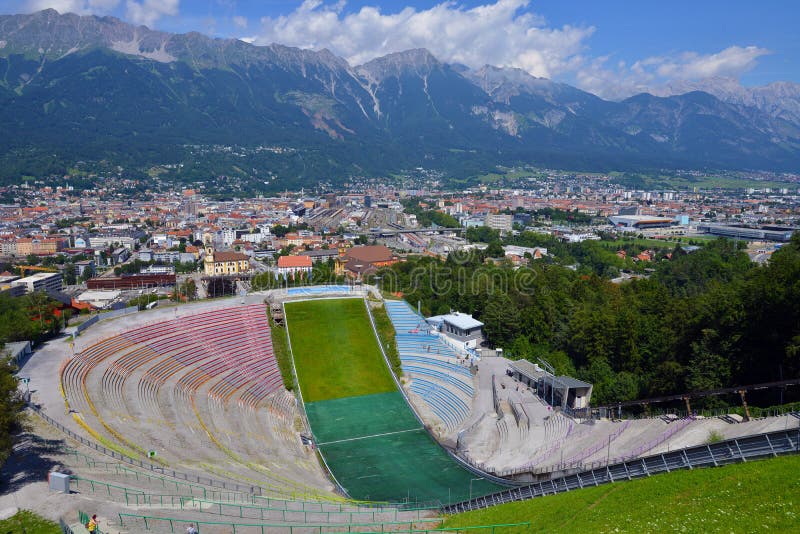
[[699, 321]]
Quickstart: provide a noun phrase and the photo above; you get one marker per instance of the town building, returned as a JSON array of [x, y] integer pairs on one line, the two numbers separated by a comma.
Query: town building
[[48, 282], [495, 221], [290, 266], [105, 241], [40, 247], [7, 286], [225, 263], [359, 261], [131, 281], [82, 266], [321, 255]]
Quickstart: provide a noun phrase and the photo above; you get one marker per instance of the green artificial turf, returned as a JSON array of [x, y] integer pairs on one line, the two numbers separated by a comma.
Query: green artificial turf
[[406, 466], [335, 351], [758, 496], [356, 417]]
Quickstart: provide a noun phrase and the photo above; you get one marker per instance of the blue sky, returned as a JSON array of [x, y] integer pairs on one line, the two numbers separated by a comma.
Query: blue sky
[[611, 47]]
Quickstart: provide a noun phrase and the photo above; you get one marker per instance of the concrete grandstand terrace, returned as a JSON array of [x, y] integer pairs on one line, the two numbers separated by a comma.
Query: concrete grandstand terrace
[[537, 440], [137, 396], [108, 488]]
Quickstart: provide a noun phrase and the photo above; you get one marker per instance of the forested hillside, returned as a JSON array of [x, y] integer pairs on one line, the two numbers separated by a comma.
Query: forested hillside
[[702, 320]]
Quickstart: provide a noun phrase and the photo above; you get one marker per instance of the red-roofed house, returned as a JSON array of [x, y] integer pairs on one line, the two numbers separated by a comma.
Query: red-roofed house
[[289, 265]]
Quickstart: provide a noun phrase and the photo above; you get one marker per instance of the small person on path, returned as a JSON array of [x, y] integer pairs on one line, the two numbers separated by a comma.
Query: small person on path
[[91, 526], [191, 530]]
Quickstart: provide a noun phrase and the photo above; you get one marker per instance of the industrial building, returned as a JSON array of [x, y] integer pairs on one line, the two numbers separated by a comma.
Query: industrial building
[[640, 222], [765, 233]]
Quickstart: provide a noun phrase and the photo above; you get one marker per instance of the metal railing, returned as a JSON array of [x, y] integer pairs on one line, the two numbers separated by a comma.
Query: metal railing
[[173, 522], [711, 454], [395, 527], [65, 528], [245, 507]]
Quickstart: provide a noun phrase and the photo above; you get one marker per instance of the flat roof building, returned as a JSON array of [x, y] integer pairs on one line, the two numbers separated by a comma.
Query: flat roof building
[[495, 221], [461, 327], [563, 392], [765, 233], [48, 282]]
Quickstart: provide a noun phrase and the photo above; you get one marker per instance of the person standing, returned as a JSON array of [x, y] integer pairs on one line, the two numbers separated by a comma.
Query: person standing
[[91, 526], [191, 530]]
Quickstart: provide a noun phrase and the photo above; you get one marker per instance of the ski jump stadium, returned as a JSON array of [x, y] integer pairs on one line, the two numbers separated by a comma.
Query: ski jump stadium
[[179, 416]]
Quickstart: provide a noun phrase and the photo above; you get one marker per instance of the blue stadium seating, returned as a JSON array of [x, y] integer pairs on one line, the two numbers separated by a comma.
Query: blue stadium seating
[[424, 356]]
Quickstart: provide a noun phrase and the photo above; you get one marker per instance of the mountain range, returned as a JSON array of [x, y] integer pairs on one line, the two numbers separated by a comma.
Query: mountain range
[[95, 88]]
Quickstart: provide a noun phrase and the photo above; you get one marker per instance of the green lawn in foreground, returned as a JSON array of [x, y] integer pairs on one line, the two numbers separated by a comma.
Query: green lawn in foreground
[[335, 351], [760, 496], [28, 522]]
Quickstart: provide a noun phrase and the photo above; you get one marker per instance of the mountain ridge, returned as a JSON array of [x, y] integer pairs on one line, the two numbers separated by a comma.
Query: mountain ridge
[[109, 84]]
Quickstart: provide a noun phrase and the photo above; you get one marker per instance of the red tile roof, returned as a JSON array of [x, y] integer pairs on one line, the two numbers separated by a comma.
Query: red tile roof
[[370, 254], [294, 261], [229, 256]]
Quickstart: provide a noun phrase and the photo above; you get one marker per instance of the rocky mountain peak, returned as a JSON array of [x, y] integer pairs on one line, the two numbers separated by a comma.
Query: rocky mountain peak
[[417, 61]]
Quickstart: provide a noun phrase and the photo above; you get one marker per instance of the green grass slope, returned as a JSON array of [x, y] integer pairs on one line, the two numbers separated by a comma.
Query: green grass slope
[[335, 351], [760, 496], [29, 523]]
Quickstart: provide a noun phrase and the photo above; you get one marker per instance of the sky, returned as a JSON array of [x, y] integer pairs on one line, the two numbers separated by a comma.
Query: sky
[[613, 48]]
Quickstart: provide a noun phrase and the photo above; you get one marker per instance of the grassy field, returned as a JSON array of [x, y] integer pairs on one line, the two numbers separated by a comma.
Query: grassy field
[[386, 333], [761, 496], [280, 345], [335, 351], [29, 523]]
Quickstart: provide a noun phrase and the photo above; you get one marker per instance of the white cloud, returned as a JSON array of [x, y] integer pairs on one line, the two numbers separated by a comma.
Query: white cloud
[[502, 34], [240, 21], [147, 12], [81, 7], [651, 74], [732, 62]]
